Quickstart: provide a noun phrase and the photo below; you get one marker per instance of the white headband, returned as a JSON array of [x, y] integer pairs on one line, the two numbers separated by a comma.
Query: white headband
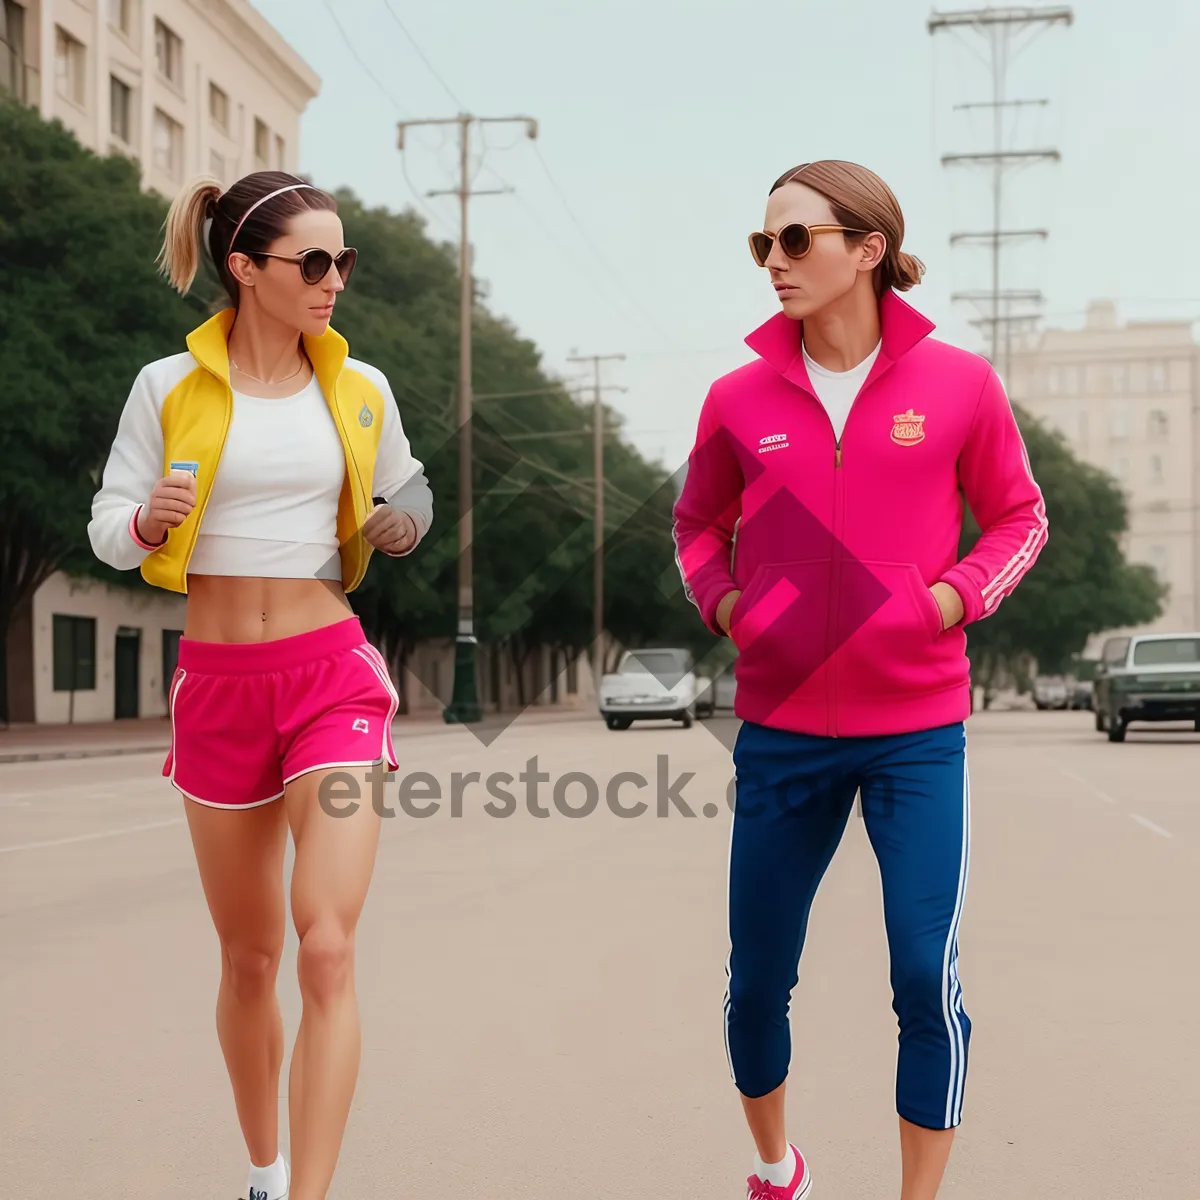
[[291, 187]]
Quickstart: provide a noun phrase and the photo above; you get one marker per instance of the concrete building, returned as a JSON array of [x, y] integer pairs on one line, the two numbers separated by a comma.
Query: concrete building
[[184, 87], [1127, 399]]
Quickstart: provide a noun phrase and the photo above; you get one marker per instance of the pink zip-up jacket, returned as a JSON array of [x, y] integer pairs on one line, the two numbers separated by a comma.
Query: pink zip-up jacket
[[835, 546]]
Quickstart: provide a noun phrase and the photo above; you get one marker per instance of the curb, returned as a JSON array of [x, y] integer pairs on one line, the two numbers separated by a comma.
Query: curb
[[27, 756], [60, 754]]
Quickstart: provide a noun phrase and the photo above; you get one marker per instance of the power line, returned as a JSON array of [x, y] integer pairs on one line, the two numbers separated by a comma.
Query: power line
[[596, 251], [427, 209], [488, 145], [623, 505], [359, 59], [619, 306], [412, 41], [541, 160]]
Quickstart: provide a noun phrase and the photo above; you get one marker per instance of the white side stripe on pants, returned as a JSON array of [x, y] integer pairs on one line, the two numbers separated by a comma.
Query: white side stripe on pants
[[951, 990], [729, 958]]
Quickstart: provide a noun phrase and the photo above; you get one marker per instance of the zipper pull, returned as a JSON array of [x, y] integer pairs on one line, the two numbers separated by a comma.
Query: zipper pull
[[837, 461]]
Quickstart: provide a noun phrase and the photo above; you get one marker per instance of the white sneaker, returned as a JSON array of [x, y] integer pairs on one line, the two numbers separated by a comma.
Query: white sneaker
[[257, 1193]]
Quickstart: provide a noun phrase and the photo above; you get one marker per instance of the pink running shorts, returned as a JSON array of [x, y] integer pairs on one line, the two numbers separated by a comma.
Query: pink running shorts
[[247, 719]]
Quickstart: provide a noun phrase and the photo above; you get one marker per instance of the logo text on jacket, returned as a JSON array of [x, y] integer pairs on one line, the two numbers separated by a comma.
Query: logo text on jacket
[[775, 441], [908, 428]]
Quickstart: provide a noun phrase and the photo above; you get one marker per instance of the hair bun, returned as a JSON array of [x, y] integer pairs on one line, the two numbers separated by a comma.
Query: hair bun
[[907, 272]]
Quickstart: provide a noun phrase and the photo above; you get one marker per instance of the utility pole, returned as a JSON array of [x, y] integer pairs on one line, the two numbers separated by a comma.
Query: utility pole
[[999, 28], [464, 705], [598, 522]]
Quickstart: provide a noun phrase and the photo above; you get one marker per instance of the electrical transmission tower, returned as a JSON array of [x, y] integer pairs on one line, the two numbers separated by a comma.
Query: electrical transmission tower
[[1001, 30]]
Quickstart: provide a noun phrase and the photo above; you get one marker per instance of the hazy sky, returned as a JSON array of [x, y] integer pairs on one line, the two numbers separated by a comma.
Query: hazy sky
[[664, 122]]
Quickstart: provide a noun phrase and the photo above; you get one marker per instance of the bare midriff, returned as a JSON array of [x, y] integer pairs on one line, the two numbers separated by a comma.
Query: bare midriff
[[223, 608]]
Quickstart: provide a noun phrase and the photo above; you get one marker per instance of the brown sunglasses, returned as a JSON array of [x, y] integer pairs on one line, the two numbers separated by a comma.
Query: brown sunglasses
[[314, 264], [795, 240]]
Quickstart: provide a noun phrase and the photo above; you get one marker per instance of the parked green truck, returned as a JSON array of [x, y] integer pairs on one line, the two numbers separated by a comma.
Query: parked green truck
[[1147, 677]]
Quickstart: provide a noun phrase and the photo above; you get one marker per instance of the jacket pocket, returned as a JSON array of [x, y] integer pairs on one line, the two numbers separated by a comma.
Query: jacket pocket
[[897, 645], [780, 625]]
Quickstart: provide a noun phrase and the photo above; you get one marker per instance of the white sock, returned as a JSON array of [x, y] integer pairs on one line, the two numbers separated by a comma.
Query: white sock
[[269, 1183], [779, 1174]]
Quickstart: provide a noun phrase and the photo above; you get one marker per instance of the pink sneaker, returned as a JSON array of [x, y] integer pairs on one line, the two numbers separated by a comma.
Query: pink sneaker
[[799, 1189]]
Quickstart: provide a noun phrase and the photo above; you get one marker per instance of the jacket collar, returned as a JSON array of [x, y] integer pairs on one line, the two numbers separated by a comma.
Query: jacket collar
[[778, 342], [209, 345]]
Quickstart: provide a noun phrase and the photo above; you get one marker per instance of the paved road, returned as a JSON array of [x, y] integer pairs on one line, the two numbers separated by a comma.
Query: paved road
[[542, 996]]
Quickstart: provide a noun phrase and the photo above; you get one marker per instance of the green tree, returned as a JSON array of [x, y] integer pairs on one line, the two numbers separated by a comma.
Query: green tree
[[81, 310], [532, 472], [1081, 584]]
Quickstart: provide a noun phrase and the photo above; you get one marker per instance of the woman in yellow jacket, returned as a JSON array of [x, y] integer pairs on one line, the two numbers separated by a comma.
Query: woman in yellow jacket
[[256, 472]]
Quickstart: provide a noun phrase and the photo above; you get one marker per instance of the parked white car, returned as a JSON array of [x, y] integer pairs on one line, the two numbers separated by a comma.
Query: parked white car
[[650, 685], [1051, 691]]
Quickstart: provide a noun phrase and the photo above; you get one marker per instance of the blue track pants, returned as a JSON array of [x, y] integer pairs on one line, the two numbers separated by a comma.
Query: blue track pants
[[795, 793]]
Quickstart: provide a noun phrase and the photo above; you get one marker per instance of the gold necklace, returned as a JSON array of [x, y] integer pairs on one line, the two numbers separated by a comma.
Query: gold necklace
[[268, 382]]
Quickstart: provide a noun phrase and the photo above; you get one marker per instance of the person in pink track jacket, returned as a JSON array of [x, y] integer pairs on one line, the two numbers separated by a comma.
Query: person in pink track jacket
[[819, 528]]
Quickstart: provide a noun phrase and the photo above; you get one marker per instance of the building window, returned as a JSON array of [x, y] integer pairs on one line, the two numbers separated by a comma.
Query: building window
[[261, 145], [1071, 381], [218, 107], [1158, 423], [1119, 422], [1120, 467], [1119, 374], [74, 654], [12, 49], [1157, 471], [216, 166], [1053, 381], [69, 66], [1160, 562], [120, 104], [119, 16], [280, 152], [1156, 377], [167, 149], [168, 50]]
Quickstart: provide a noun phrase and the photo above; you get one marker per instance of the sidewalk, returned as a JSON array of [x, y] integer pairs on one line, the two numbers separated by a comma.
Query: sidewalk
[[106, 739]]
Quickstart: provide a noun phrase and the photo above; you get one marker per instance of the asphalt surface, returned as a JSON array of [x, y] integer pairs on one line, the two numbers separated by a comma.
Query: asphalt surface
[[542, 996]]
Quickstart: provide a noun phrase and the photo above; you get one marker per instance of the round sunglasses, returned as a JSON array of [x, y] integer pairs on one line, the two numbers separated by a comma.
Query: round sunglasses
[[314, 264], [794, 240]]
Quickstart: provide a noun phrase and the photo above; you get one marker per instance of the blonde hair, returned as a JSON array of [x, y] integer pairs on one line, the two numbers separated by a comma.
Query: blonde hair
[[860, 199], [253, 212], [183, 232]]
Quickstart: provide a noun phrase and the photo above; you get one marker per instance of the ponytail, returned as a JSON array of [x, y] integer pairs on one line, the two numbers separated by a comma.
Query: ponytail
[[179, 257]]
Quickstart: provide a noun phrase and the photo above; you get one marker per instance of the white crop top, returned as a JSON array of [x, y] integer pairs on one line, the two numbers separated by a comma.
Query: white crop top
[[272, 511]]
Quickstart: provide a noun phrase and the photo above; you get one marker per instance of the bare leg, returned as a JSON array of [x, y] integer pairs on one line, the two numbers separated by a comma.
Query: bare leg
[[924, 1153], [240, 856], [334, 860], [765, 1116]]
